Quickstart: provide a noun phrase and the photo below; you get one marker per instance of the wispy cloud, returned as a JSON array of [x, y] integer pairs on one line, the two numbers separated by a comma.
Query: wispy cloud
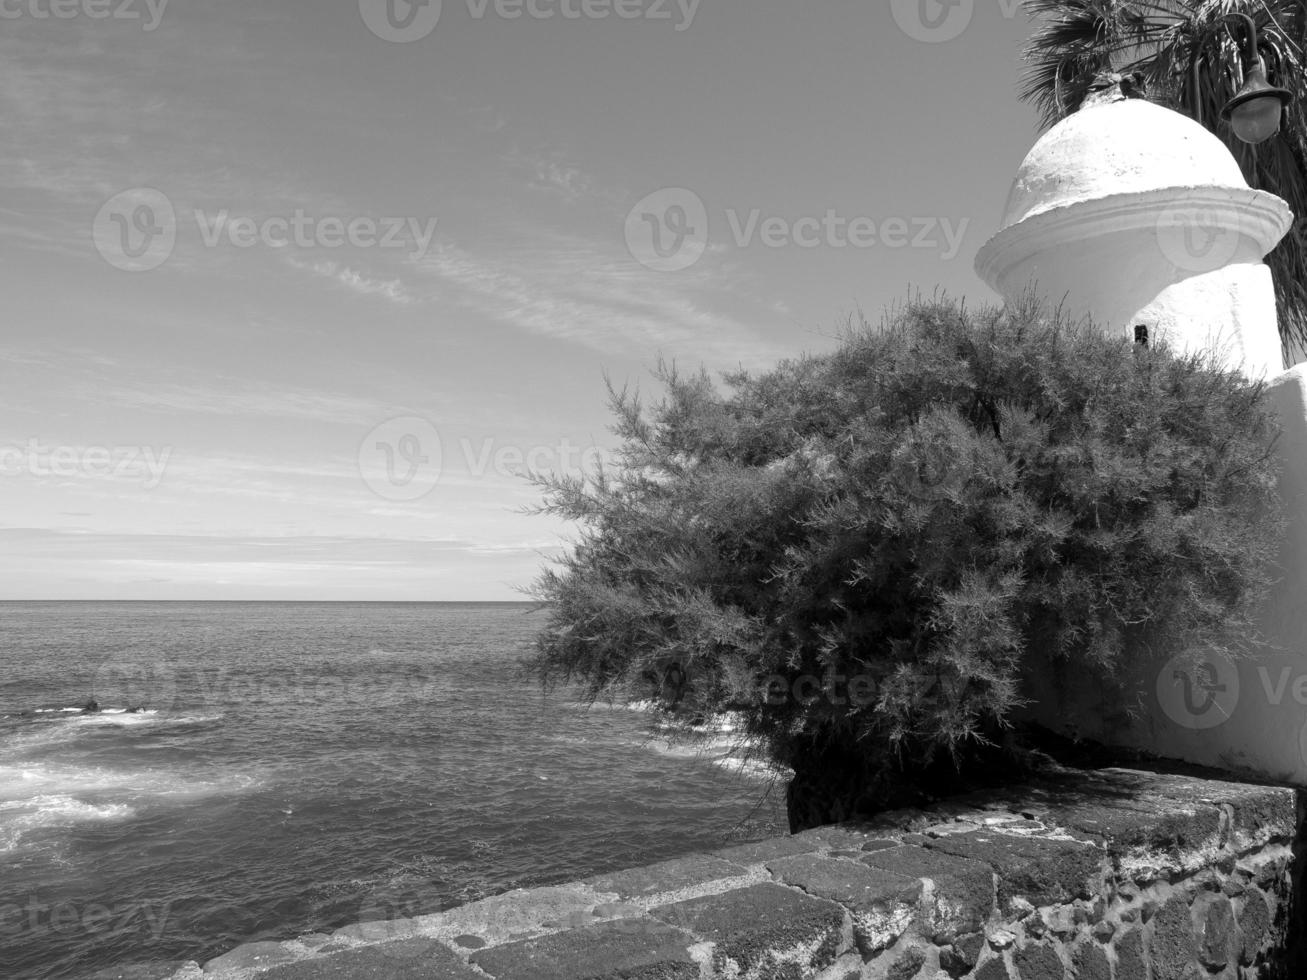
[[230, 396], [550, 171], [570, 289], [389, 289]]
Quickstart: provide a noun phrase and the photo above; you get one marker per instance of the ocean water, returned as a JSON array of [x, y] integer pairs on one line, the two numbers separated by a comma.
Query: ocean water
[[297, 767]]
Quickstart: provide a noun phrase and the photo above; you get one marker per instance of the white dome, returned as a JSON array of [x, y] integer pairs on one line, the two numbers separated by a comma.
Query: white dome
[[1119, 148], [1127, 166]]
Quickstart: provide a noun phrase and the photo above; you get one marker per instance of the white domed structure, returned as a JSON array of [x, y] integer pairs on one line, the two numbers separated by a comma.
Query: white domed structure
[[1139, 217]]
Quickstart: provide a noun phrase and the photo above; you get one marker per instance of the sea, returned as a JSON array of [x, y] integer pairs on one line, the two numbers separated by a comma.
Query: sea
[[260, 771]]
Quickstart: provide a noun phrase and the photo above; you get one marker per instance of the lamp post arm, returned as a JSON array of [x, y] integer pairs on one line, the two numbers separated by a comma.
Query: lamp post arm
[[1251, 52]]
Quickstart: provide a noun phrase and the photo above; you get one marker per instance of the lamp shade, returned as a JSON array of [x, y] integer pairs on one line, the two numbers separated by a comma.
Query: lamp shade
[[1256, 111]]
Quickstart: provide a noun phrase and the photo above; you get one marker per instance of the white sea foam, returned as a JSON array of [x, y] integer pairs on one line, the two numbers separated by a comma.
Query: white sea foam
[[20, 817], [56, 728], [753, 768], [36, 779], [696, 748], [637, 706], [121, 717]]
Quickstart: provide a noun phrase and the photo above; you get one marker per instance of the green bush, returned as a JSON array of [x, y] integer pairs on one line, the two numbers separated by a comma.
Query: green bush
[[854, 551]]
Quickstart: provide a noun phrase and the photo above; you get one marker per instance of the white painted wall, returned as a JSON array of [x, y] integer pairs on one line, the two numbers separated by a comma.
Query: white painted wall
[[1133, 214], [1246, 716]]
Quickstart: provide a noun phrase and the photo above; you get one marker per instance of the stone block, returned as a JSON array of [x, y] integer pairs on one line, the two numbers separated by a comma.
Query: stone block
[[882, 903], [1090, 962], [407, 959], [969, 947], [1040, 963], [250, 956], [849, 836], [138, 971], [1130, 962], [669, 876], [994, 969], [1173, 948], [767, 850], [1259, 813], [908, 965], [626, 949], [1254, 923], [964, 889], [750, 924], [1217, 933], [1043, 871], [1142, 823]]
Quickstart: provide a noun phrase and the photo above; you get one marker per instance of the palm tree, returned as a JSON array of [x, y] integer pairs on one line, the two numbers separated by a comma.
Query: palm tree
[[1190, 57]]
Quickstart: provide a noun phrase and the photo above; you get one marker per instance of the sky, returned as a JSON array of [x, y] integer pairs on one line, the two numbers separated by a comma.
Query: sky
[[296, 289]]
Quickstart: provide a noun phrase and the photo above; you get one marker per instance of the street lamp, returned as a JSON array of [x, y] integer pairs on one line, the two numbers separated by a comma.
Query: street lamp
[[1257, 109]]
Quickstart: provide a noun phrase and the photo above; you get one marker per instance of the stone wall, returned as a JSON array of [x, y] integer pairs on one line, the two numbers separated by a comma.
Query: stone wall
[[1109, 875]]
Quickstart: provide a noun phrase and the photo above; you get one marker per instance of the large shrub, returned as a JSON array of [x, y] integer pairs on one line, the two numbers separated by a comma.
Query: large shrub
[[854, 551]]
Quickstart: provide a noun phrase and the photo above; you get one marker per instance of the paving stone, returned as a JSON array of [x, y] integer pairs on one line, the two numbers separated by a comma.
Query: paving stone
[[767, 850], [1141, 823], [883, 904], [626, 949], [1172, 949], [966, 886], [1260, 812], [1043, 871], [249, 956], [1039, 963], [747, 924], [669, 876], [407, 959], [850, 836], [138, 971], [1254, 922], [880, 844]]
